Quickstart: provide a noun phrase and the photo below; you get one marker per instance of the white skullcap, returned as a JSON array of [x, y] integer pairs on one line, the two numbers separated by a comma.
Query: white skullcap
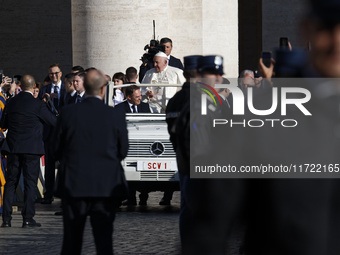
[[161, 54]]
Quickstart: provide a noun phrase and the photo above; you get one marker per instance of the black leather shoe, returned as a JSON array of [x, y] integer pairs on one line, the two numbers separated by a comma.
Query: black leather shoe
[[6, 224], [164, 202], [47, 201], [31, 224]]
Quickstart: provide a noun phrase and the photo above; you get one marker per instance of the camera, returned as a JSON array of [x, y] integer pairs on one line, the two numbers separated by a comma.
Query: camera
[[152, 49], [51, 105]]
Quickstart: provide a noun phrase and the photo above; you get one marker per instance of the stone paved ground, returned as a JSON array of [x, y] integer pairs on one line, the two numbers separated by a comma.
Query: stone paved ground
[[149, 230]]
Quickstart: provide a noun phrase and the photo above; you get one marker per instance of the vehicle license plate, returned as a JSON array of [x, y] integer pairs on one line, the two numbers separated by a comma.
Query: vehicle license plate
[[153, 165]]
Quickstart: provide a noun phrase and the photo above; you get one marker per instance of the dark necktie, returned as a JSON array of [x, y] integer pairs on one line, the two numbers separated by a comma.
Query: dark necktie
[[134, 109], [226, 100], [78, 99], [55, 100]]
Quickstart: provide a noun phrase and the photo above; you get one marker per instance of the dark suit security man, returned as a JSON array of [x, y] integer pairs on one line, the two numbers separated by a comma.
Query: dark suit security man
[[24, 117], [134, 103], [172, 61], [91, 141], [173, 110], [56, 90]]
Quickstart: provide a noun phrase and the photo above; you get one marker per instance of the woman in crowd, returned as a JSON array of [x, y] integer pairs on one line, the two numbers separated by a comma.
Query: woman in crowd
[[36, 88], [118, 94]]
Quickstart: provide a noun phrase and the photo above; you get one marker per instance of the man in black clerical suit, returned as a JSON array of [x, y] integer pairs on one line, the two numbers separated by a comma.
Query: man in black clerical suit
[[57, 92], [23, 117], [134, 103], [91, 141], [172, 61]]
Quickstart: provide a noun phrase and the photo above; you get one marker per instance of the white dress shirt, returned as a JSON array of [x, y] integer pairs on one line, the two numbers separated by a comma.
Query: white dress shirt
[[118, 98], [131, 105], [59, 88]]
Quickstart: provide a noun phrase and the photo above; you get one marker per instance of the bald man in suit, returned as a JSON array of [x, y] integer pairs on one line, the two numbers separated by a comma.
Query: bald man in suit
[[24, 117], [91, 142]]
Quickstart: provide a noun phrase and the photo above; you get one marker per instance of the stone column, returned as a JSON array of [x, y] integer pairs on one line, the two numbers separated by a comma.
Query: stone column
[[111, 34]]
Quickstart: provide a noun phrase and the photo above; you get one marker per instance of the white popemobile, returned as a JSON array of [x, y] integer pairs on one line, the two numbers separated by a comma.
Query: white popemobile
[[151, 160]]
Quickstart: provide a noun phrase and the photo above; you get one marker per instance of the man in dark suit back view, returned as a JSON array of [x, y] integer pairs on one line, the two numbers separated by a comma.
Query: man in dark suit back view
[[24, 117], [91, 141]]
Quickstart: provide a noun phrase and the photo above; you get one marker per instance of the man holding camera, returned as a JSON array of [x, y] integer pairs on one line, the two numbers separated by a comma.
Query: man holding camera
[[56, 91], [24, 117]]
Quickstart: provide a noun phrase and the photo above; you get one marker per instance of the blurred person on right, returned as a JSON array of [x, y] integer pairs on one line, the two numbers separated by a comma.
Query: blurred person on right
[[322, 30], [298, 215], [173, 110], [208, 204]]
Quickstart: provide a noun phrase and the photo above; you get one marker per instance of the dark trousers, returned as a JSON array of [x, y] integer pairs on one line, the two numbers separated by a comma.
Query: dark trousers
[[49, 172], [30, 165], [168, 195], [185, 214], [212, 208], [102, 214]]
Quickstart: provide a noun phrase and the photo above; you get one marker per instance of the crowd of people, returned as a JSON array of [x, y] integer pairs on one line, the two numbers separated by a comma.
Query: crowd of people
[[284, 219]]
